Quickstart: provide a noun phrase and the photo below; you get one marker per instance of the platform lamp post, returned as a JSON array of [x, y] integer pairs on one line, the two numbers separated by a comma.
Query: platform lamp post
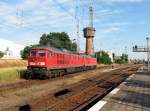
[[147, 38]]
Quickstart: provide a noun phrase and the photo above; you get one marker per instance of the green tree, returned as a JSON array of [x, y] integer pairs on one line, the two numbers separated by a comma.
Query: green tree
[[73, 46], [103, 57], [26, 51], [58, 40], [119, 61], [122, 60], [1, 54], [53, 39]]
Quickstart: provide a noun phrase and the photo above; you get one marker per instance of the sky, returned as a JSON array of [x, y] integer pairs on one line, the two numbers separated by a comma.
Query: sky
[[118, 23]]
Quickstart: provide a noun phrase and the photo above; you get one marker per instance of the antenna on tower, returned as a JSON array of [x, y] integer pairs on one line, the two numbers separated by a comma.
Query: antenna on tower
[[90, 13]]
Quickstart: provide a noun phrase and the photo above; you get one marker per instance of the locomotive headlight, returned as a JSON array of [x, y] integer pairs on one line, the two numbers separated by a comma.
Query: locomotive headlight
[[32, 63], [42, 63], [37, 63]]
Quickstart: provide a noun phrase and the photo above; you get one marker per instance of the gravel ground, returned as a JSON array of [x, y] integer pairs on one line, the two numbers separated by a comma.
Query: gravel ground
[[10, 99]]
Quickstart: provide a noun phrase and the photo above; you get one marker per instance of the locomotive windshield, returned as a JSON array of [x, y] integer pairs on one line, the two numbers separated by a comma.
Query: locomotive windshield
[[33, 53], [41, 53]]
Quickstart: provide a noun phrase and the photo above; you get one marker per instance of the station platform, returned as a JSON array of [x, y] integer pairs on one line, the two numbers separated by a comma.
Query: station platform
[[131, 95]]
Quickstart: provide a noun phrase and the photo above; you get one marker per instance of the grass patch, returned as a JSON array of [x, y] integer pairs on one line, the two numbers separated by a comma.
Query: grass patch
[[104, 65], [11, 74], [12, 63]]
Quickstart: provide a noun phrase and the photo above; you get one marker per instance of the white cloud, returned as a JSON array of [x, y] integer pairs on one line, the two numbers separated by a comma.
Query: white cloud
[[117, 24], [110, 30], [107, 12], [33, 12], [121, 1]]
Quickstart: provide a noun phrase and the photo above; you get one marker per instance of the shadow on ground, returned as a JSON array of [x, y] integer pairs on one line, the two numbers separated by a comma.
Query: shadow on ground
[[138, 83], [136, 98], [143, 73]]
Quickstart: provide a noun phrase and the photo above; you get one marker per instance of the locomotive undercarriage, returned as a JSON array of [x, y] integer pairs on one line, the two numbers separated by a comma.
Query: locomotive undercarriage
[[44, 72]]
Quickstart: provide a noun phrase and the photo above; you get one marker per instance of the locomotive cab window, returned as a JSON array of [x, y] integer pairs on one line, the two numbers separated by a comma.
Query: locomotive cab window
[[33, 53], [41, 53]]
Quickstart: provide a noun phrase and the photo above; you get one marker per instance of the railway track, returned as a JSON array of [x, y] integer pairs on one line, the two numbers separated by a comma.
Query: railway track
[[28, 83], [82, 95]]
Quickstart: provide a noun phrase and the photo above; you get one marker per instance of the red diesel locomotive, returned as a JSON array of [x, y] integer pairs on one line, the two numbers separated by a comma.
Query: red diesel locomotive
[[50, 62]]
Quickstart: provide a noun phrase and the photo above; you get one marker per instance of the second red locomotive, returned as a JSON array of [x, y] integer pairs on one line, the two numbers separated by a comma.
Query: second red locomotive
[[51, 62]]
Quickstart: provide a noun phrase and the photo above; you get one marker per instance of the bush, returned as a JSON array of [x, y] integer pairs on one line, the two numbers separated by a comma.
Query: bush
[[103, 57], [122, 60], [1, 54]]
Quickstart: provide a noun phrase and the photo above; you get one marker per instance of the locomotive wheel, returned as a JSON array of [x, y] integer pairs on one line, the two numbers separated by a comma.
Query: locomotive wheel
[[52, 74], [57, 74], [28, 75], [42, 77], [62, 73]]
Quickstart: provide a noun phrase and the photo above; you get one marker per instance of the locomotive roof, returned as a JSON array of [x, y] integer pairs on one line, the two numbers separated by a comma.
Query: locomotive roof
[[63, 51]]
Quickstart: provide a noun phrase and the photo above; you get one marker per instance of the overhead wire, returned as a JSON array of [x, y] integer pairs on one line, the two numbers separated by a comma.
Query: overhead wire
[[55, 1], [20, 15], [63, 8]]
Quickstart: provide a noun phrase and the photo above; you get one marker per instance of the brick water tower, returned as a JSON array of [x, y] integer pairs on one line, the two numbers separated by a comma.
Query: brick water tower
[[89, 33]]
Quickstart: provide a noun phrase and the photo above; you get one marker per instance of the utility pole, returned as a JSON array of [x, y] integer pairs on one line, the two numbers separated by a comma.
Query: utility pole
[[147, 38], [125, 50], [77, 26], [78, 36]]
